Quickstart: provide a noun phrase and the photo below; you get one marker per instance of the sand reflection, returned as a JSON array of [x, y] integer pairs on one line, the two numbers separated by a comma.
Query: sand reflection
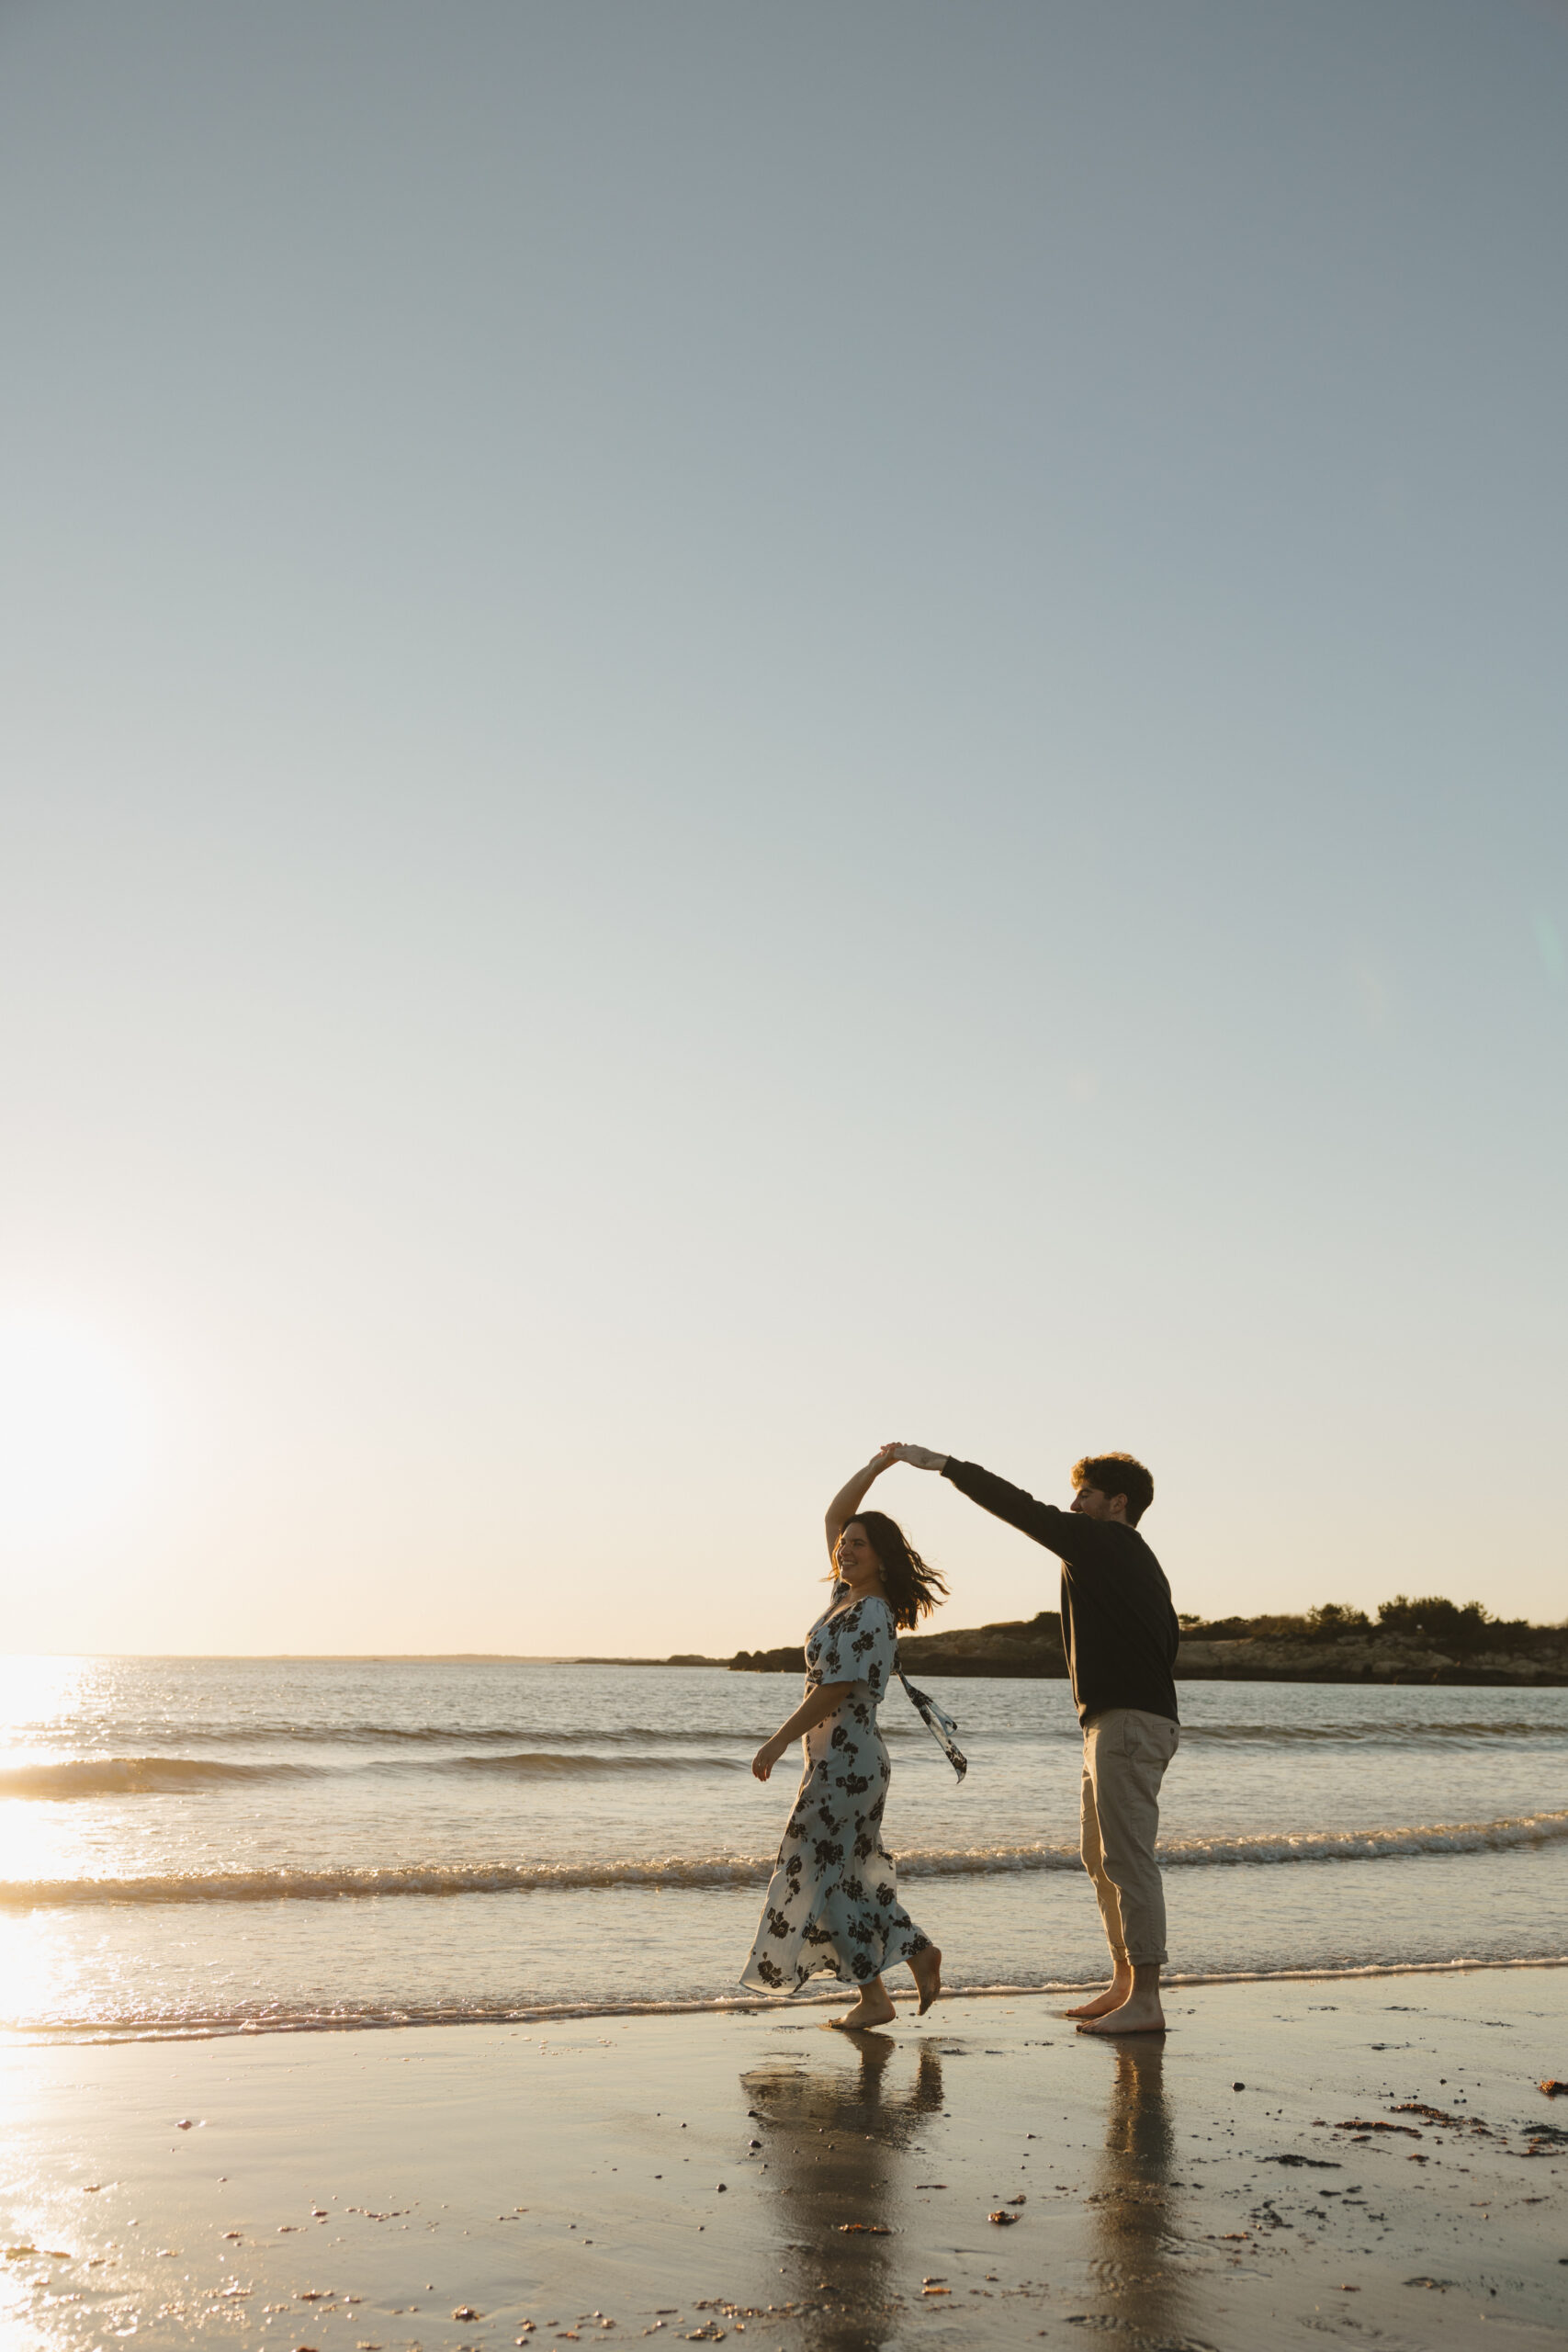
[[1129, 2208], [839, 2138]]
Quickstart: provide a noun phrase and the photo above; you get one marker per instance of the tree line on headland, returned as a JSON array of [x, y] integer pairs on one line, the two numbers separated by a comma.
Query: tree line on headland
[[1430, 1639]]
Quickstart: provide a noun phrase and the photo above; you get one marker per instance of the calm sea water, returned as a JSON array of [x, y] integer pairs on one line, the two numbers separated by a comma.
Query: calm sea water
[[192, 1845]]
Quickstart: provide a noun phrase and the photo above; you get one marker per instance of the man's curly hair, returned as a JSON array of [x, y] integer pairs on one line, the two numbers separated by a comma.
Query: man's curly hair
[[1117, 1473]]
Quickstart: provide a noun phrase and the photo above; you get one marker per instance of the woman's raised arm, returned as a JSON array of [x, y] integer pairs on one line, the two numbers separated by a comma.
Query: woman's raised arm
[[854, 1492]]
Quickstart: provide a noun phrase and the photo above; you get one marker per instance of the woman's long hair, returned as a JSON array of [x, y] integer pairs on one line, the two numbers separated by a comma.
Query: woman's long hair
[[913, 1590]]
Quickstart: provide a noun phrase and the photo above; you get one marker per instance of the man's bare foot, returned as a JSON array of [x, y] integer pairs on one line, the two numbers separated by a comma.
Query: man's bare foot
[[874, 2007], [926, 1970], [1115, 1993], [1139, 2013]]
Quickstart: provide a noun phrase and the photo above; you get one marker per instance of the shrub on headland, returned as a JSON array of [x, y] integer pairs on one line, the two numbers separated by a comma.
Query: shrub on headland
[[1449, 1624], [1442, 1624], [1332, 1618]]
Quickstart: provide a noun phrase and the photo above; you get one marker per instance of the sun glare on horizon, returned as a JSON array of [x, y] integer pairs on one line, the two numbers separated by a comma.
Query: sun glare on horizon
[[75, 1429]]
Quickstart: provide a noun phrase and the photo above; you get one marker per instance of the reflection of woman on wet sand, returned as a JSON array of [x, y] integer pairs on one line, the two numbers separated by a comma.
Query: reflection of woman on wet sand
[[838, 2140], [833, 1907]]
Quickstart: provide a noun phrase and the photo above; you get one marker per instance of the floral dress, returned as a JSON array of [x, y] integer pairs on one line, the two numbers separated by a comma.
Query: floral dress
[[832, 1906]]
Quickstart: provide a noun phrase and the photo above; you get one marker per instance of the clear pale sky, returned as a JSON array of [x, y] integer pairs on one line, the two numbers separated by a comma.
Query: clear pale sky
[[733, 730]]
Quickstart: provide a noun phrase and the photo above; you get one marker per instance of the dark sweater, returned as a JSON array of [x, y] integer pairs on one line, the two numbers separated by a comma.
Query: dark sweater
[[1119, 1627]]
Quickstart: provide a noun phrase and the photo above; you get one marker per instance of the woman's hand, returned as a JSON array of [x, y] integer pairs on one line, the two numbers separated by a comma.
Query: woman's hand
[[824, 1699]]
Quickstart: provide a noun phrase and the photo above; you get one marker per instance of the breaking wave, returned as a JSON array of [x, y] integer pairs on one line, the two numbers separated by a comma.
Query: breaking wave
[[414, 1740], [454, 1735], [753, 1870], [123, 1776], [542, 1765], [1367, 1735]]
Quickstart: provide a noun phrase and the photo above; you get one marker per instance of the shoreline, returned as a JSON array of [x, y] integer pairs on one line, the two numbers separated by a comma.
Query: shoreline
[[744, 2004], [1277, 2165]]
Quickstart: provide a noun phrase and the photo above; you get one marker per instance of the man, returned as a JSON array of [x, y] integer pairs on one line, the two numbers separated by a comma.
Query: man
[[1120, 1632]]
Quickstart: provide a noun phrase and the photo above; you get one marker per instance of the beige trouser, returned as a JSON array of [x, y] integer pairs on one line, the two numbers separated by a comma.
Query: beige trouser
[[1126, 1752]]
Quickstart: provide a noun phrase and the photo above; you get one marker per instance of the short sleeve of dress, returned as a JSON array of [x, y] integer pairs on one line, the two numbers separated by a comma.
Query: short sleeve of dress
[[822, 1650], [868, 1647], [827, 1665]]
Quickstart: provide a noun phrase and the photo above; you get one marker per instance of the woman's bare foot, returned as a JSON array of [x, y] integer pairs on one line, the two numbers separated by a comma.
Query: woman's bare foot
[[874, 2007], [1101, 2005], [926, 1970]]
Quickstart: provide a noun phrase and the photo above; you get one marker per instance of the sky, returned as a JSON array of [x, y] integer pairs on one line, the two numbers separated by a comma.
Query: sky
[[733, 730]]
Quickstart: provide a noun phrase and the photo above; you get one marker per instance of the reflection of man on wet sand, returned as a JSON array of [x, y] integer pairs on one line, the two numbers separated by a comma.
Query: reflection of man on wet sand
[[1130, 2213], [1120, 1632]]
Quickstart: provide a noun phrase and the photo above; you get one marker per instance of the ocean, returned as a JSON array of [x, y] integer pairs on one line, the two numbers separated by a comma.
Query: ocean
[[196, 1846]]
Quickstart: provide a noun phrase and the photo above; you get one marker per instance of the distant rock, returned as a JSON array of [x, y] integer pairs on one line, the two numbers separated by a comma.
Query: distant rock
[[1372, 1656], [1301, 1649]]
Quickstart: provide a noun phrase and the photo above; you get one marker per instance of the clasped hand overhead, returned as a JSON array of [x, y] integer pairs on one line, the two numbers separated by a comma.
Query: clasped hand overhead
[[919, 1457]]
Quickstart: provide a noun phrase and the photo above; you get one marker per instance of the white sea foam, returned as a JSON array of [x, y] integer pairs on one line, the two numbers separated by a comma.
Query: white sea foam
[[444, 1878], [383, 2017], [122, 1776], [961, 1697]]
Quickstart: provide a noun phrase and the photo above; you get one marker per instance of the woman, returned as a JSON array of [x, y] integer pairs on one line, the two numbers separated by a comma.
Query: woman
[[833, 1907]]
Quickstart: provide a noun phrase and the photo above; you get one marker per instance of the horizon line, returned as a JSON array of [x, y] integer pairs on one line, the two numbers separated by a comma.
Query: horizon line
[[378, 1657]]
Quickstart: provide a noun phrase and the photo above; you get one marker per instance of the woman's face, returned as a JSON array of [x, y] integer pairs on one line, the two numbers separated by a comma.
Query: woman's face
[[854, 1557]]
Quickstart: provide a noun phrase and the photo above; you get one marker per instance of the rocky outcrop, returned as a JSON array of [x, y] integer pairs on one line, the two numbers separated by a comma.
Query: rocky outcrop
[[1023, 1647], [1031, 1648], [1373, 1658]]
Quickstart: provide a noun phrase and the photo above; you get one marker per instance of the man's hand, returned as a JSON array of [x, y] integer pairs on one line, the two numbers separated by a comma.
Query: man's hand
[[919, 1457]]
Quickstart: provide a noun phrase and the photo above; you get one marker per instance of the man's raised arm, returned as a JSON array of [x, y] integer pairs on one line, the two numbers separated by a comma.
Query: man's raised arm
[[1042, 1522]]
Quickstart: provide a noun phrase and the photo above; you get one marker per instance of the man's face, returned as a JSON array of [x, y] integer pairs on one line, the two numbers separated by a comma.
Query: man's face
[[1091, 1504]]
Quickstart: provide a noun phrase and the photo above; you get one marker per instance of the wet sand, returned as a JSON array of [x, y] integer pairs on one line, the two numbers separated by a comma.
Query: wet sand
[[1365, 2160]]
